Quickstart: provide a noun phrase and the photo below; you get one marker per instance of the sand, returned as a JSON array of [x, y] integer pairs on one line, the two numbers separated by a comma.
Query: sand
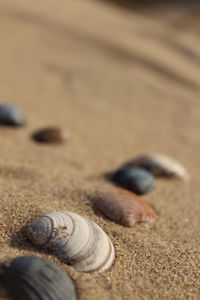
[[122, 83]]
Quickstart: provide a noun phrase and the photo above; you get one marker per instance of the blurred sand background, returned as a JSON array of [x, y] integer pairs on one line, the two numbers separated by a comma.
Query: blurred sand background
[[123, 82]]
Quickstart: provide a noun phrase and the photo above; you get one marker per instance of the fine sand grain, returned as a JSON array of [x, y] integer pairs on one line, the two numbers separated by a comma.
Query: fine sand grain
[[122, 83]]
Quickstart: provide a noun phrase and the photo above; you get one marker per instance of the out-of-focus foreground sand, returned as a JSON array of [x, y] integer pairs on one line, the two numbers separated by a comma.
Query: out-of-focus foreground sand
[[122, 82]]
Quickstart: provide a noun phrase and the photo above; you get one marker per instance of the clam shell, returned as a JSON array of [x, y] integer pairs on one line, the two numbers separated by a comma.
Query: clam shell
[[74, 239], [33, 278], [123, 207], [160, 165]]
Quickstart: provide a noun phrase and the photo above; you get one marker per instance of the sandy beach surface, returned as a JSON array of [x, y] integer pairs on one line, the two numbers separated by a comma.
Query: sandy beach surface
[[122, 82]]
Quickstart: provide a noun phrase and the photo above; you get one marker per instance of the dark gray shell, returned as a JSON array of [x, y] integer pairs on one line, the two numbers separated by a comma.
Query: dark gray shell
[[11, 115], [33, 278]]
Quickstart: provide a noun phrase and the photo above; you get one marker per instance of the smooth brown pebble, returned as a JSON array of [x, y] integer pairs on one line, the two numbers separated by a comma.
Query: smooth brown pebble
[[50, 135], [123, 207]]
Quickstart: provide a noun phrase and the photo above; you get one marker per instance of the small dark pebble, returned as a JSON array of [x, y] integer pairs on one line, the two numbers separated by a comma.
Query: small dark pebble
[[50, 135], [136, 180], [11, 115], [33, 278]]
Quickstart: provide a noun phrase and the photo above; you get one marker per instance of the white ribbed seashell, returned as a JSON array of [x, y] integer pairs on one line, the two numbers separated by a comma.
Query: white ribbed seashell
[[74, 239], [160, 165]]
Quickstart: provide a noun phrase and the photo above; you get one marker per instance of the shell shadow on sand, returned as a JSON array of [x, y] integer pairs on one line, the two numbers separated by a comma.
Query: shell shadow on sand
[[19, 173], [20, 241], [150, 4]]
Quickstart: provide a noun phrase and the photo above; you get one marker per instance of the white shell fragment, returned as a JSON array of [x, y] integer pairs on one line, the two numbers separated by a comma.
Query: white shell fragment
[[74, 239], [160, 165]]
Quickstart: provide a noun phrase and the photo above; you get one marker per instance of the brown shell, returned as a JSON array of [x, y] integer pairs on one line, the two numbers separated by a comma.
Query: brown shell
[[51, 135], [123, 207]]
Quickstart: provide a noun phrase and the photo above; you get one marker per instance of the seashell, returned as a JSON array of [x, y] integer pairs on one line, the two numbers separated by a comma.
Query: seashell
[[123, 207], [32, 278], [11, 115], [136, 180], [50, 135], [160, 165], [74, 239]]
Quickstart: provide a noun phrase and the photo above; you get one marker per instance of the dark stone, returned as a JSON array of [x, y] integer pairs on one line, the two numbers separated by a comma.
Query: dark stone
[[11, 115], [136, 180]]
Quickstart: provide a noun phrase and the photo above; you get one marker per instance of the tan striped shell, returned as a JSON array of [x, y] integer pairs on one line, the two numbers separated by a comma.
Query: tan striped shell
[[74, 239], [123, 207], [160, 165]]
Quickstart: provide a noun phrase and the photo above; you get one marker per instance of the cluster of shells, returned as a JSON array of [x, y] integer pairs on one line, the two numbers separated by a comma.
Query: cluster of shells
[[80, 242], [75, 240]]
